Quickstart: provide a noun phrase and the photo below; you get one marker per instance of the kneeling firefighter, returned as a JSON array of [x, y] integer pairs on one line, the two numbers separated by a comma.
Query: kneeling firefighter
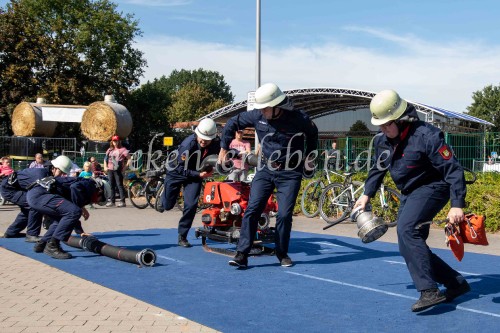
[[63, 199], [427, 174], [14, 189]]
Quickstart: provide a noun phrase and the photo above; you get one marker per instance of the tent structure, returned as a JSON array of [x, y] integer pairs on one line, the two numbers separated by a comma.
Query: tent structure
[[321, 102]]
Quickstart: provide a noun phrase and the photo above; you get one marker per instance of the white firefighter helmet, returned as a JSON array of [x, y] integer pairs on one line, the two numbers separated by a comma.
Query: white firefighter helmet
[[63, 163], [206, 129], [268, 95], [386, 106]]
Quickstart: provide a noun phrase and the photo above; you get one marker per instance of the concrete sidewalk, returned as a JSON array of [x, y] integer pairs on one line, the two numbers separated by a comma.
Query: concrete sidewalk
[[35, 297]]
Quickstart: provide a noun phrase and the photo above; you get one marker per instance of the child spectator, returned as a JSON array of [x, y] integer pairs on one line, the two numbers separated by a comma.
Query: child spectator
[[87, 172], [5, 167]]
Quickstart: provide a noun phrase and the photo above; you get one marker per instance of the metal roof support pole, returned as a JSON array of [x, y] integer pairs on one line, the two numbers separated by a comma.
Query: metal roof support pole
[[257, 58]]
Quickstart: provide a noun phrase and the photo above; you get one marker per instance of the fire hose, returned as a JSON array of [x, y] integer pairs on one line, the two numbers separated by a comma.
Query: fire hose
[[145, 257]]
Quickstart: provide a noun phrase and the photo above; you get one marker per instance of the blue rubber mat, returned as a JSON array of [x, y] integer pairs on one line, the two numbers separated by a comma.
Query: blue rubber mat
[[337, 284]]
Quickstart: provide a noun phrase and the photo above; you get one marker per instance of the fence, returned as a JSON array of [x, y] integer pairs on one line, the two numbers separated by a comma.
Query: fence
[[476, 151], [22, 150]]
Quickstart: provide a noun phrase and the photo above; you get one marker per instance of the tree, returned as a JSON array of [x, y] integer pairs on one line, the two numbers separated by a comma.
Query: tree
[[68, 51], [359, 128], [192, 102], [182, 96], [486, 105], [211, 81], [148, 106]]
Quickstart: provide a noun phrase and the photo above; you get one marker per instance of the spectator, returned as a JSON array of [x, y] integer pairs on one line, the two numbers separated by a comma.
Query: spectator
[[240, 170], [115, 163], [95, 167], [5, 167], [86, 173], [334, 158], [38, 162]]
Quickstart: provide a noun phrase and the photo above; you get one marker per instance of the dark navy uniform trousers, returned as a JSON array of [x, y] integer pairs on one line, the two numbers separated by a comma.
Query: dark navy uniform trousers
[[65, 214], [190, 193], [27, 218], [425, 267], [287, 185]]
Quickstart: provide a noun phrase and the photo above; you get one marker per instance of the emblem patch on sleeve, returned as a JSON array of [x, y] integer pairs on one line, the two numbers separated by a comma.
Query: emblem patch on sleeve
[[445, 152]]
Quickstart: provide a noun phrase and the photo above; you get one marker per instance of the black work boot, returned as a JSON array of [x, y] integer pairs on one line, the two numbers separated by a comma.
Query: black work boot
[[428, 298], [183, 242], [39, 246], [53, 249], [240, 260], [452, 293]]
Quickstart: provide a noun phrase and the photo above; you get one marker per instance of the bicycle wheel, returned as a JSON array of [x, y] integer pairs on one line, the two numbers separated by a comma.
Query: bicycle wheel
[[310, 198], [137, 194], [386, 205], [159, 193], [152, 188], [334, 203]]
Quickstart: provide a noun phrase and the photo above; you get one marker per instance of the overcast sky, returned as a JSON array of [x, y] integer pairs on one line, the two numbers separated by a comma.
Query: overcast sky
[[436, 52]]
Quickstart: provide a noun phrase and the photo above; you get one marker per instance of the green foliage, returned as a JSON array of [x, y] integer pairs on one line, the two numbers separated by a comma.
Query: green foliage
[[211, 81], [486, 105], [191, 102], [183, 96], [359, 128], [483, 197], [148, 105], [68, 51]]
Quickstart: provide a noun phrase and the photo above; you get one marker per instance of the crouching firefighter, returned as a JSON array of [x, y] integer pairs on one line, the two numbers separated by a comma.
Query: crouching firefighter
[[14, 189], [64, 199]]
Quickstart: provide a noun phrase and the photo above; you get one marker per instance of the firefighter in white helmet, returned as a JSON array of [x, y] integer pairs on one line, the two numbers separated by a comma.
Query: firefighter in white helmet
[[428, 175], [186, 173], [287, 136]]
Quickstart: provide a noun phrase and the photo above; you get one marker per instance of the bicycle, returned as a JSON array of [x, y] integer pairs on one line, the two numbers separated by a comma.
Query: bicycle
[[337, 201], [143, 194], [309, 202], [180, 199]]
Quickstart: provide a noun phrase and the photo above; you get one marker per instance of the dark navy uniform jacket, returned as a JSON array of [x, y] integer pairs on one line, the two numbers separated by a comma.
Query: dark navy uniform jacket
[[421, 157], [285, 134], [78, 190], [190, 157], [27, 177]]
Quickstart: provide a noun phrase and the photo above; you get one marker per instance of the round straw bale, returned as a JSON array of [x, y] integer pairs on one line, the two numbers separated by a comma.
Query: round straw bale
[[102, 120], [27, 121]]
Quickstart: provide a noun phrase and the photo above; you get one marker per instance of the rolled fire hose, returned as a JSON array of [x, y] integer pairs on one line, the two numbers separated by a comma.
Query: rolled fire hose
[[146, 257]]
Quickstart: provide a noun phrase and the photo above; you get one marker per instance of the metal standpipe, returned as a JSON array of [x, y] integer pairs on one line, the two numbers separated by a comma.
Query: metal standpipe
[[145, 257]]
